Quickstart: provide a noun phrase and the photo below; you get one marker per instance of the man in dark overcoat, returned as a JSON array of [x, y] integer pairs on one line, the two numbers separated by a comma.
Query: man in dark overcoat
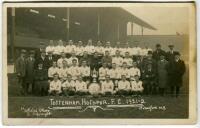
[[158, 52], [20, 67], [176, 71]]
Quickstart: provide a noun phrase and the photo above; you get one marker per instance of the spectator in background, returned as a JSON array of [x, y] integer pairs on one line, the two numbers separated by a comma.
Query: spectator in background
[[20, 66], [30, 65], [158, 52], [171, 53], [176, 71]]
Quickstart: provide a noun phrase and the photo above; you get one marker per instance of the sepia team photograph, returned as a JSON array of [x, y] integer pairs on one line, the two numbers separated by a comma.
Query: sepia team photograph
[[99, 63]]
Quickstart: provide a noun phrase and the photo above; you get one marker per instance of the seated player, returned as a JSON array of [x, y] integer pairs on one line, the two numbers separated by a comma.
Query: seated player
[[74, 69], [123, 86], [107, 86], [103, 71], [114, 73], [73, 56], [69, 48], [52, 70], [81, 86], [68, 86], [41, 81], [117, 59], [128, 59], [136, 86], [63, 71], [85, 71], [60, 60], [55, 86], [134, 70], [124, 70]]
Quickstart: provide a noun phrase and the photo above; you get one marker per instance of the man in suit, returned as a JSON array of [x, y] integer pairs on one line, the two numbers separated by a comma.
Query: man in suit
[[39, 51], [30, 63], [42, 59], [20, 66], [50, 59], [171, 53], [158, 52], [176, 70]]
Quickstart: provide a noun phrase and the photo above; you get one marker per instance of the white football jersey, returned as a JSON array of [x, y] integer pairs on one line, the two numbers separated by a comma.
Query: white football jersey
[[136, 86], [55, 85], [52, 71], [124, 85], [107, 86], [81, 86], [118, 61]]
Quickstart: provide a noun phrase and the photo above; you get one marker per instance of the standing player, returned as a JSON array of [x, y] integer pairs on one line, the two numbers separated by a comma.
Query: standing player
[[128, 59], [103, 71], [74, 69], [79, 49], [53, 70], [60, 60], [124, 70], [85, 71], [69, 48], [59, 49], [134, 70], [73, 56], [117, 59], [50, 47], [63, 71]]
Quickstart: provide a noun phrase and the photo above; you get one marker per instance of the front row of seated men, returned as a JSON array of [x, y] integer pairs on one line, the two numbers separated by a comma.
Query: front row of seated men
[[70, 87]]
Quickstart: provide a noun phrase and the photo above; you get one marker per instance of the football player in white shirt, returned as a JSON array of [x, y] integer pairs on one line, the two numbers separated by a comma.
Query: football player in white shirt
[[109, 48], [81, 86], [117, 59], [72, 58], [59, 48], [79, 49], [123, 86], [53, 70], [60, 60], [89, 47], [128, 59], [69, 48], [124, 70], [99, 48], [85, 71], [55, 86], [134, 70], [107, 86], [136, 86], [50, 47], [68, 86], [114, 73], [126, 48], [103, 71], [74, 69], [63, 71]]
